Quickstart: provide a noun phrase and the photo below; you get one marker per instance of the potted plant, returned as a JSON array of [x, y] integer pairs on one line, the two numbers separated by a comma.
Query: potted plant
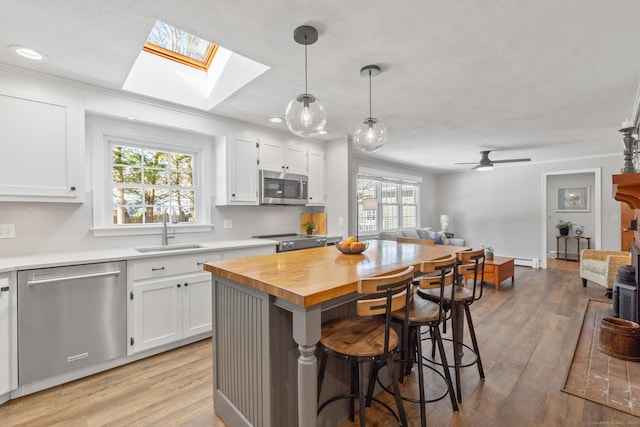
[[564, 227], [488, 252], [309, 226]]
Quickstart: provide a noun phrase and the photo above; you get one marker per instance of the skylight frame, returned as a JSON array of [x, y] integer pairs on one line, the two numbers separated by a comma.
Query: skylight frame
[[178, 57]]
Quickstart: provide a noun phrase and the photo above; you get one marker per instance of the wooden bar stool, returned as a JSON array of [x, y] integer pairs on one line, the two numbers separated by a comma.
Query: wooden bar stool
[[360, 340], [422, 312], [458, 298]]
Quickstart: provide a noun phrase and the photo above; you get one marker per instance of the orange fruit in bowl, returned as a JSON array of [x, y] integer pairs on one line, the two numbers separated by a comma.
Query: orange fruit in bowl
[[350, 239], [357, 247]]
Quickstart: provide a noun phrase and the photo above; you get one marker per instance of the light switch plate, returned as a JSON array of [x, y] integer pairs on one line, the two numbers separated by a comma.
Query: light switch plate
[[7, 231], [227, 223]]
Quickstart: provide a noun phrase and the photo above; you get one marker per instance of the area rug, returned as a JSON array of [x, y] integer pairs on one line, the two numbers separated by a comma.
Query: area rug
[[597, 377]]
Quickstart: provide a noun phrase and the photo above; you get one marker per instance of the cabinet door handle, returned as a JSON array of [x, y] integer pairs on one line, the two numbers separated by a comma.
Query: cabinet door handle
[[199, 263], [179, 285], [157, 268], [186, 284], [4, 289]]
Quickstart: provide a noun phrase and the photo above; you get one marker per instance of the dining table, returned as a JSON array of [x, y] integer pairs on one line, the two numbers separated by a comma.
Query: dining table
[[267, 314]]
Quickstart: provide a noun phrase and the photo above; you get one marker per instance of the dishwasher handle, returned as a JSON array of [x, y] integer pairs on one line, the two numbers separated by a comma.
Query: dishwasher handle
[[74, 277]]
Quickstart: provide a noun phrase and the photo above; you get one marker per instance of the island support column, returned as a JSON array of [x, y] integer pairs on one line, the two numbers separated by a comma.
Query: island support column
[[306, 333]]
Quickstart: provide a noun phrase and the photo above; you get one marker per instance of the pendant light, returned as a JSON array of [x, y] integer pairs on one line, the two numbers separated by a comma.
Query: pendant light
[[305, 115], [370, 135]]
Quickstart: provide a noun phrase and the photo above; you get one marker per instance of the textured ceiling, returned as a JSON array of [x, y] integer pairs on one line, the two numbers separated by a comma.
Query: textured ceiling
[[545, 79]]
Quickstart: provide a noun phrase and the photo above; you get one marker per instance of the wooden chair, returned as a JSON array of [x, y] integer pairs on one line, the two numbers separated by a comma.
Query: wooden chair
[[421, 312], [458, 298], [363, 339]]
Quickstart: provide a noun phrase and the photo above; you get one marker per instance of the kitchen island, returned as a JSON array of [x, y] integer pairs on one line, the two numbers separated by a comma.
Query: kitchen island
[[267, 316]]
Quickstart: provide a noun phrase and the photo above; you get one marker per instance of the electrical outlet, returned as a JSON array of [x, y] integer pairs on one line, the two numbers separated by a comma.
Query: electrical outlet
[[227, 223], [615, 217], [7, 231], [340, 221]]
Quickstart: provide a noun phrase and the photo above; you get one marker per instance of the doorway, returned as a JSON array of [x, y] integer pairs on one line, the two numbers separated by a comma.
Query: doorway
[[554, 184]]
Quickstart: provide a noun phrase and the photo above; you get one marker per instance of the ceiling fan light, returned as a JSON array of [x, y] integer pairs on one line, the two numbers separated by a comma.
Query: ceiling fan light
[[370, 135], [485, 168]]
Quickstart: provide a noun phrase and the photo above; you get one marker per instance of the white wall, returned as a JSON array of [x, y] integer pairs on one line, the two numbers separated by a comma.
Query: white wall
[[504, 208]]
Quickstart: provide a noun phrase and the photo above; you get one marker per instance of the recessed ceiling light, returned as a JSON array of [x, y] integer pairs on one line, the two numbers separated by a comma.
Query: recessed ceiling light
[[323, 132], [276, 120], [28, 53]]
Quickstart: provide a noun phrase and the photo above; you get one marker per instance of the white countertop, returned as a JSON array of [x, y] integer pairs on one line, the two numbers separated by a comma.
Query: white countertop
[[100, 255]]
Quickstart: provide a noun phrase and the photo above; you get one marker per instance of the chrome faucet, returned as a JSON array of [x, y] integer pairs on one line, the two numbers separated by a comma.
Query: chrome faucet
[[174, 220]]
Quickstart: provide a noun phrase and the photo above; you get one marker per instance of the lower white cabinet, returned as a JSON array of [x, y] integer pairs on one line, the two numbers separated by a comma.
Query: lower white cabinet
[[170, 296], [167, 310], [7, 334]]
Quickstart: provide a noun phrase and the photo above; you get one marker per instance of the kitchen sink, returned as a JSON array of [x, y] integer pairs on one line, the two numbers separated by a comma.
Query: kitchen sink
[[169, 248]]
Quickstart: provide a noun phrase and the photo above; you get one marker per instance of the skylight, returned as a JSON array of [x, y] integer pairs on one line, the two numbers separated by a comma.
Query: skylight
[[179, 67], [178, 45]]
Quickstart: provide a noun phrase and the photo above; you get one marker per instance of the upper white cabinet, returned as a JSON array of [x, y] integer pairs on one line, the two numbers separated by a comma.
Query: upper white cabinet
[[42, 147], [237, 171], [317, 174], [283, 156]]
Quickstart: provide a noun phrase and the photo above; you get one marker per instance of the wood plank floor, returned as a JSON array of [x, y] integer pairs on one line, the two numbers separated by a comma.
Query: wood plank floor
[[526, 335]]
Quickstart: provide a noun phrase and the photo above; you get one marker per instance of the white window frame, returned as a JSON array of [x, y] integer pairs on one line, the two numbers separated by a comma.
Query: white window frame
[[382, 176], [106, 133]]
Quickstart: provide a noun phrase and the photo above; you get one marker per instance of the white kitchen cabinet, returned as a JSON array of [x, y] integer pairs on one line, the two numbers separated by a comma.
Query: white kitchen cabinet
[[317, 174], [42, 147], [283, 156], [237, 171], [8, 355], [170, 299], [170, 296]]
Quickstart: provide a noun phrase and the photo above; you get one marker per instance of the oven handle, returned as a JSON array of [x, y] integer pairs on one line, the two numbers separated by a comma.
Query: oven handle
[[78, 276]]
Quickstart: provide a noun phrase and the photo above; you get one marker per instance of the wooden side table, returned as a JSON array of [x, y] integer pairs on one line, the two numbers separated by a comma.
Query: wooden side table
[[566, 239], [497, 270]]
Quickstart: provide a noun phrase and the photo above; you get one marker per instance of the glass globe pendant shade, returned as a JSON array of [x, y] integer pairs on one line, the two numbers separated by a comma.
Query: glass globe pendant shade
[[306, 116], [370, 135]]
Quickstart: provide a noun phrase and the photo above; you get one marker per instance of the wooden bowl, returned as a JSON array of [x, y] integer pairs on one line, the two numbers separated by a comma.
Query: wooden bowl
[[353, 248]]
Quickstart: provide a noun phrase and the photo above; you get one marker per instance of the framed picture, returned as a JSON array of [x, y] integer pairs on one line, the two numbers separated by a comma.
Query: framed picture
[[573, 199]]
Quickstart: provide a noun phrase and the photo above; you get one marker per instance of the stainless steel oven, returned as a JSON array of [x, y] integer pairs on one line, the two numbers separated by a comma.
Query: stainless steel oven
[[281, 188], [295, 242]]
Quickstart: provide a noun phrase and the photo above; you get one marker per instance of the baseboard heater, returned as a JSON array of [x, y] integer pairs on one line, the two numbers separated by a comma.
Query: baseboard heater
[[527, 262]]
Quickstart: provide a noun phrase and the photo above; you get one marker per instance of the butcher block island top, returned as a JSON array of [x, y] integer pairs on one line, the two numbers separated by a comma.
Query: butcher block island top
[[312, 276]]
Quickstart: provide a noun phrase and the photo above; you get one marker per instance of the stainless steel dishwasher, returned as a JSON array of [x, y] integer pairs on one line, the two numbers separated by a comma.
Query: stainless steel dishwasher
[[70, 317]]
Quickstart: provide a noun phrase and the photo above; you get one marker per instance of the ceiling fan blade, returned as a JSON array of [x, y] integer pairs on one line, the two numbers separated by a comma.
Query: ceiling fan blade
[[466, 163], [511, 160]]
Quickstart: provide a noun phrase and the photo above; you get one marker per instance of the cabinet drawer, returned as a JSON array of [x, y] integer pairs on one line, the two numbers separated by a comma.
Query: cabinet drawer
[[170, 265]]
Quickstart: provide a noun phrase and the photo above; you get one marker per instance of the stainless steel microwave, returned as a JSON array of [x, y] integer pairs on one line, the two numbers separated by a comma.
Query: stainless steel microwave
[[281, 188]]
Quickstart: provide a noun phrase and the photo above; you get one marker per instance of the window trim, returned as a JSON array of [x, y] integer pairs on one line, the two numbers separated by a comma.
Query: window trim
[[382, 176], [105, 130]]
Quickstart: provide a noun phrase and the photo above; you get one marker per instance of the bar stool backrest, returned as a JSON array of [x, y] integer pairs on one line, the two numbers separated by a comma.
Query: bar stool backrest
[[384, 294], [439, 274], [472, 262]]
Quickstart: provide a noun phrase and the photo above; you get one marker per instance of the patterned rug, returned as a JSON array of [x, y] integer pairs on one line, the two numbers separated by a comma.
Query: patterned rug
[[597, 377]]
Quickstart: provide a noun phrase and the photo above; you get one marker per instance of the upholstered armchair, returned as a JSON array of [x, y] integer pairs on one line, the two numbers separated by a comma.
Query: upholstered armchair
[[601, 267]]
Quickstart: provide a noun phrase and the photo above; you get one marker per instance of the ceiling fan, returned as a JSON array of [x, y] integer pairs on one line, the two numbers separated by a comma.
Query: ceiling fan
[[486, 164]]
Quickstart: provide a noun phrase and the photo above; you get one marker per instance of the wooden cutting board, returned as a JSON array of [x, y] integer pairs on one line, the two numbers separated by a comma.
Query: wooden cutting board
[[319, 219]]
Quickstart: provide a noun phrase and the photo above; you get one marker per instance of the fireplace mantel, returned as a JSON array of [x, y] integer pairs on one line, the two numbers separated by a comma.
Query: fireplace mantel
[[626, 189]]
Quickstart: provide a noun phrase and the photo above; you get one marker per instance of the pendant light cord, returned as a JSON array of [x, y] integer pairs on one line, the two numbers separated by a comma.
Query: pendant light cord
[[305, 64], [370, 115]]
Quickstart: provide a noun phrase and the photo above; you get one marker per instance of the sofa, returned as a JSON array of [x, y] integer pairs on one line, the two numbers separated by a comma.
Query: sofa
[[601, 267], [421, 233]]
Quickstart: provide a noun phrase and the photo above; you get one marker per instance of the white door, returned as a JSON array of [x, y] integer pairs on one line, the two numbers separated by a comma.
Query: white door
[[157, 313], [316, 177], [243, 173], [196, 304], [271, 155], [296, 159], [5, 337]]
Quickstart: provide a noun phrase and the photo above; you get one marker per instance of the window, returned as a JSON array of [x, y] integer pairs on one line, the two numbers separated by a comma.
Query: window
[[145, 181], [397, 203], [178, 45]]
